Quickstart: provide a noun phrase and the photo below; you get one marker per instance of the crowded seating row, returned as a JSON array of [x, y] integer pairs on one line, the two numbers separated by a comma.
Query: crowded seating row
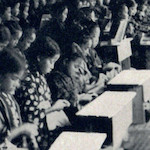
[[56, 57]]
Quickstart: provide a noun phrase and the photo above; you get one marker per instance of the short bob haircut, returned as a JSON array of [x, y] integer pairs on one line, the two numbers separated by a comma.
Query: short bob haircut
[[13, 27], [11, 62], [42, 47]]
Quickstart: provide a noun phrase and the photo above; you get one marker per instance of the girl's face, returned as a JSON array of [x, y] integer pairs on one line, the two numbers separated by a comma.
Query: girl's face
[[92, 3], [95, 37], [3, 45], [43, 2], [86, 47], [73, 69], [36, 3], [15, 10], [26, 12], [78, 69], [133, 10], [63, 17], [11, 81], [7, 14], [123, 13], [47, 64], [15, 39], [26, 43]]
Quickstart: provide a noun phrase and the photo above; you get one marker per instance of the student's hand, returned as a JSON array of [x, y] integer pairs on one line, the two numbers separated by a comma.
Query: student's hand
[[102, 80], [60, 104], [111, 74], [88, 96]]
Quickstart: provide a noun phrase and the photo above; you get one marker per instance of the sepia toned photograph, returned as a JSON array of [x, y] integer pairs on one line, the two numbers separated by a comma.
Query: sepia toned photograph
[[74, 74]]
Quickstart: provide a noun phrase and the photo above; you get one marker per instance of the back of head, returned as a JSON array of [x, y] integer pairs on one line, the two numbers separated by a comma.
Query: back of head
[[13, 27], [11, 62]]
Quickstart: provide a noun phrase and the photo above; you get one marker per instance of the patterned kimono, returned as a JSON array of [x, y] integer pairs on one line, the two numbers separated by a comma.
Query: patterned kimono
[[35, 97], [9, 115]]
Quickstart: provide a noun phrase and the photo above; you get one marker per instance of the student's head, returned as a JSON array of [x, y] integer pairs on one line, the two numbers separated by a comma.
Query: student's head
[[36, 3], [12, 68], [16, 32], [5, 12], [60, 10], [132, 6], [44, 54], [27, 39], [94, 31], [75, 67], [123, 12], [83, 3], [141, 11], [88, 13], [92, 3], [24, 9], [85, 42], [43, 2], [5, 36], [15, 8], [106, 2]]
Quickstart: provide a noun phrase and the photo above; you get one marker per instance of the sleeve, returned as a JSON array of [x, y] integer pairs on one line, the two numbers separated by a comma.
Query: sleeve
[[62, 88], [3, 124], [31, 111]]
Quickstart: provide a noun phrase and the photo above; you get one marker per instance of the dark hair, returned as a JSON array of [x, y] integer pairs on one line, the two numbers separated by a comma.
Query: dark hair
[[4, 34], [46, 46], [58, 8], [27, 33], [84, 38], [130, 3], [4, 4], [13, 27], [43, 47], [92, 26], [13, 3], [11, 62], [64, 65]]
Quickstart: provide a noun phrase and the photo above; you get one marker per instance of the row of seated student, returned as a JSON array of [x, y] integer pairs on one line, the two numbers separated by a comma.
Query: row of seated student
[[53, 68]]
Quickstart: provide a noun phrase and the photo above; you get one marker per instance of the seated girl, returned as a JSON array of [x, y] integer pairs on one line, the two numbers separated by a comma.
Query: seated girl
[[15, 10], [16, 33], [24, 13], [12, 68], [27, 39], [4, 37], [5, 13], [35, 92], [68, 81], [87, 44], [94, 31]]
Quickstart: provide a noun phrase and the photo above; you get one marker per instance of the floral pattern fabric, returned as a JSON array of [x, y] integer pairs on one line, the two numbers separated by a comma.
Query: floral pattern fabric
[[35, 98], [12, 113]]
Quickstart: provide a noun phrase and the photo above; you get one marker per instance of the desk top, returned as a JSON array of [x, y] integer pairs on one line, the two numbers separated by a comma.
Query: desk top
[[78, 141], [131, 77], [107, 105]]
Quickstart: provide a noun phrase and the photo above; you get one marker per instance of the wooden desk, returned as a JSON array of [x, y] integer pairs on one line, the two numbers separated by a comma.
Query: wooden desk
[[115, 107], [134, 80], [78, 141]]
